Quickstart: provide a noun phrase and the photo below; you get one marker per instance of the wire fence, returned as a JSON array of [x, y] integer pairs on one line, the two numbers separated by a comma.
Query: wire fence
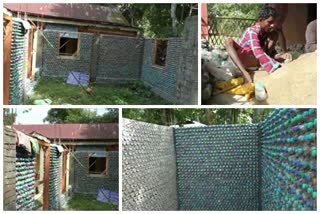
[[221, 27]]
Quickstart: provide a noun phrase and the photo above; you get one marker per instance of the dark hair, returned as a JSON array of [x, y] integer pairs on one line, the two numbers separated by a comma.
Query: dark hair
[[266, 12]]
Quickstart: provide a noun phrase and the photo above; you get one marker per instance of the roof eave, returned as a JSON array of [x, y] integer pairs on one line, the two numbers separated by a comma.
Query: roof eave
[[82, 23]]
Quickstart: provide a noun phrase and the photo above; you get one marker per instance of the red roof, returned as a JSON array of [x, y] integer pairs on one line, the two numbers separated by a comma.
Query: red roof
[[86, 12], [103, 131]]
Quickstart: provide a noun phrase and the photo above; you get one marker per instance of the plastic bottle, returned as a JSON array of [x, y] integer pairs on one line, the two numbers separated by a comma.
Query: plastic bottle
[[260, 91]]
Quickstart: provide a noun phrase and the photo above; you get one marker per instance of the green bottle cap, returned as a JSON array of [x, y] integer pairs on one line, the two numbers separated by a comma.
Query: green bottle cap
[[314, 194], [304, 186], [299, 116]]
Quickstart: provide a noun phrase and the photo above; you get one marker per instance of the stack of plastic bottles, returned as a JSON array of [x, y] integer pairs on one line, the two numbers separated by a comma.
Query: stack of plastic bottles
[[148, 167], [17, 63], [289, 169], [270, 165], [25, 181], [217, 167], [54, 180]]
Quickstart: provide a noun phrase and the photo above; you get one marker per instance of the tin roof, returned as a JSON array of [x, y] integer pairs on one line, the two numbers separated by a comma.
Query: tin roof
[[86, 12], [103, 131]]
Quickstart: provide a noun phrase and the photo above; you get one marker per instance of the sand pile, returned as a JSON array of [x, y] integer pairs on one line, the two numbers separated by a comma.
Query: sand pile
[[294, 83]]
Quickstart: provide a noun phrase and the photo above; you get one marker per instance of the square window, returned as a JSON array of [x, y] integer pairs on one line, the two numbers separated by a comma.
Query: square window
[[160, 53], [68, 44], [98, 165]]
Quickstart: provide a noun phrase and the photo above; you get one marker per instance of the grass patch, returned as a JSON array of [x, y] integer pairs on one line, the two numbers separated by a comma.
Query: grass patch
[[88, 202], [133, 93], [38, 204]]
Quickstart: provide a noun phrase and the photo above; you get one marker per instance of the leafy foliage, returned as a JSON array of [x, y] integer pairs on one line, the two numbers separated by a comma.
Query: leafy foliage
[[10, 116], [249, 11], [72, 115], [155, 19], [205, 116]]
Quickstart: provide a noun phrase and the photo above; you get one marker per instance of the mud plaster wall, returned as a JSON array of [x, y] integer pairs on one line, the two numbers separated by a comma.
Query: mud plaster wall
[[9, 170], [187, 73]]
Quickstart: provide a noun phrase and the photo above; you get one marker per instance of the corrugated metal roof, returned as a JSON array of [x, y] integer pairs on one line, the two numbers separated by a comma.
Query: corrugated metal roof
[[75, 11], [39, 137], [103, 131]]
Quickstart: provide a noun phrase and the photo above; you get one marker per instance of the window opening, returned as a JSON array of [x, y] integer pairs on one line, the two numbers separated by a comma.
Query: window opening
[[98, 165], [69, 44], [160, 54]]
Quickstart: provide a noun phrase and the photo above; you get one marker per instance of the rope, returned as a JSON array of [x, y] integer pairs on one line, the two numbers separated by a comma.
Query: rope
[[42, 34]]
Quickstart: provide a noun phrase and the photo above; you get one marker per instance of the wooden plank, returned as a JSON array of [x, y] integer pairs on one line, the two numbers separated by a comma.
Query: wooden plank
[[90, 143], [154, 52], [107, 31], [29, 58], [67, 171], [6, 58], [84, 24], [46, 179], [42, 143], [63, 175], [34, 52]]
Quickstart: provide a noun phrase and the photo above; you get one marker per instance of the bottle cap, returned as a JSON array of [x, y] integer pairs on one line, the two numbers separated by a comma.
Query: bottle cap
[[259, 84]]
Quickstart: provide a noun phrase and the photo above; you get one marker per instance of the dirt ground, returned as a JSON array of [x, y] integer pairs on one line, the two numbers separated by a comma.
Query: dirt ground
[[295, 83]]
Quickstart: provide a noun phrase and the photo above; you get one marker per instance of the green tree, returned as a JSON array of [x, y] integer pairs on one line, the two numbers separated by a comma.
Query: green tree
[[249, 11], [9, 116], [158, 20], [205, 116], [112, 116], [57, 115]]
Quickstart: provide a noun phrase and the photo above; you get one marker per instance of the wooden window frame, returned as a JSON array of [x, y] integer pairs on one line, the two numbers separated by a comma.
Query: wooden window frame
[[102, 174], [76, 56]]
